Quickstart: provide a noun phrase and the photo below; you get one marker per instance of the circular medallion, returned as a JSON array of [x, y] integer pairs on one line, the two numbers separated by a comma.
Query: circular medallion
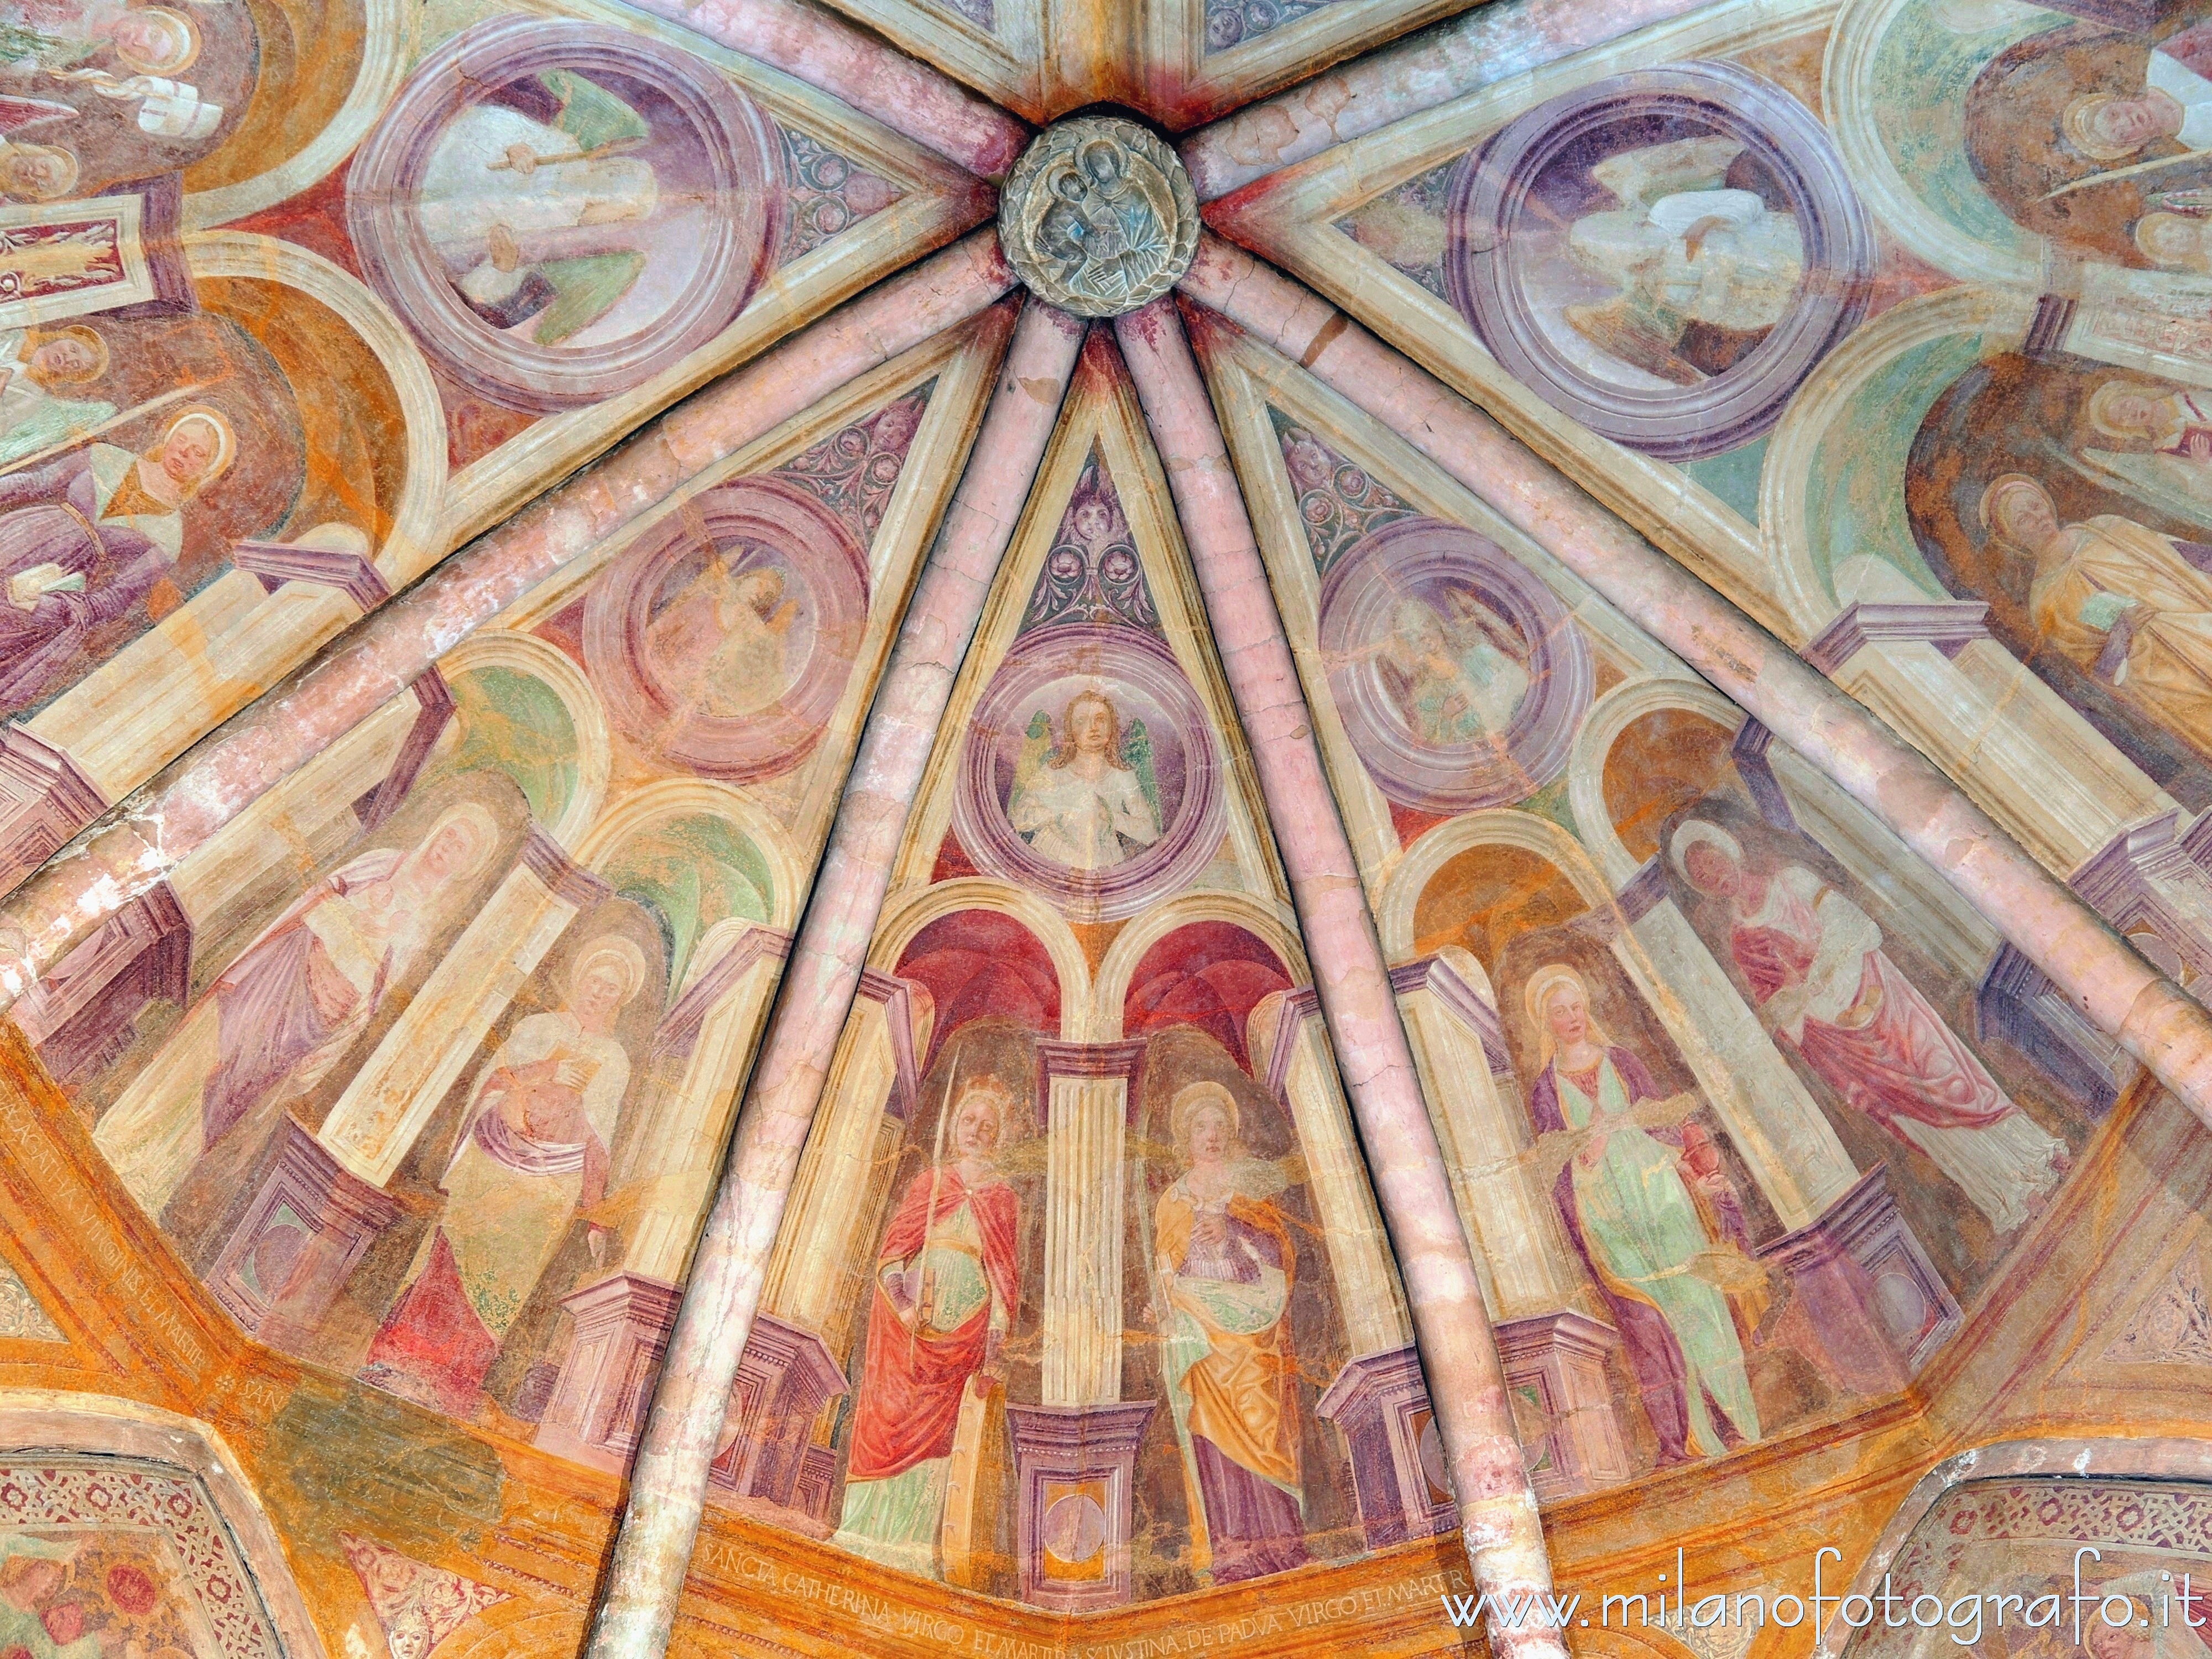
[[560, 210], [1663, 255], [1098, 216], [1089, 775], [1459, 677], [723, 638]]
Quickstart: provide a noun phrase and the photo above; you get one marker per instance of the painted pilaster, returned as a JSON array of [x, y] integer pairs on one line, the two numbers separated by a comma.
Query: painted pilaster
[[1497, 1507], [1086, 1107], [668, 1484]]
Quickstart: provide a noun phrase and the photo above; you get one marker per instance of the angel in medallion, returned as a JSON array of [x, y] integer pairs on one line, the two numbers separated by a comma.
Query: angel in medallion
[[1702, 271], [1093, 799]]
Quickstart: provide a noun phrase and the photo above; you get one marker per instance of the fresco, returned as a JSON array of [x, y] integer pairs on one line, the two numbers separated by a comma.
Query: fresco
[[353, 1164], [428, 1087], [1083, 1044]]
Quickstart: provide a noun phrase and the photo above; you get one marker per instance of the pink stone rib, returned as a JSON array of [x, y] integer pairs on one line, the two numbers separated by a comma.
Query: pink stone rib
[[388, 650], [1486, 46], [668, 1485], [879, 80], [2158, 1024], [1504, 1536]]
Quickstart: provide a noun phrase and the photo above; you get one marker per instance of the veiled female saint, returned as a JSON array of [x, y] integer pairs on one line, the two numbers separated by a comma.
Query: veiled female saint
[[1654, 1233], [1453, 685], [1088, 802], [535, 202], [533, 1156], [299, 997], [1702, 271], [1824, 984], [85, 537], [2131, 606], [1224, 1267], [947, 1281]]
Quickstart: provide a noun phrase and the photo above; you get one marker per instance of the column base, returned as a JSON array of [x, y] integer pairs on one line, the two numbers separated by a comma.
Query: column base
[[785, 1377], [598, 1409], [85, 1011], [1075, 1466], [43, 800], [1555, 1366], [1877, 1308], [300, 1236], [1380, 1403]]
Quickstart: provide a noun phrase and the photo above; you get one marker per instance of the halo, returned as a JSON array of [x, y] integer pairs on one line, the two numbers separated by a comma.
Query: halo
[[2001, 485], [614, 948], [1541, 985], [226, 447], [1189, 1100], [484, 827], [1694, 832]]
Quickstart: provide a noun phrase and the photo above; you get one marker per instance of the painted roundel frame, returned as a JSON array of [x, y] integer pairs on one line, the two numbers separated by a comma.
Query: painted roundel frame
[[796, 531], [740, 151], [1123, 657], [1490, 201], [1407, 559]]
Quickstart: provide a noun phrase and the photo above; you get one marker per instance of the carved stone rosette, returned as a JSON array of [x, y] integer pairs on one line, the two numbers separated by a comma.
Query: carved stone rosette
[[1098, 216]]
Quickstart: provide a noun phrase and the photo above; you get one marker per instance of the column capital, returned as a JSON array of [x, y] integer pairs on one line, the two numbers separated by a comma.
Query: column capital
[[1437, 976], [1055, 1059], [1950, 625]]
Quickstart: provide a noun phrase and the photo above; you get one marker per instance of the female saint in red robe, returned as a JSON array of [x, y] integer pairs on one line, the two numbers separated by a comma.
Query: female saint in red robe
[[947, 1281]]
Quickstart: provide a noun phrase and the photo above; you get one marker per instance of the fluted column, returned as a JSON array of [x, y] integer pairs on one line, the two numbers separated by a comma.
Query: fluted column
[[1467, 1384], [1086, 1106], [393, 648], [2157, 1022], [668, 1484]]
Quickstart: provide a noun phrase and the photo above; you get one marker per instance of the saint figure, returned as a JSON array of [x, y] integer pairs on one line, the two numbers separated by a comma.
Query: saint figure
[[35, 365], [536, 205], [1824, 984], [2079, 132], [85, 537], [1701, 270], [532, 1157], [1453, 685], [1224, 1266], [946, 1283], [298, 997], [2156, 446], [1089, 800], [2130, 606], [1651, 1225]]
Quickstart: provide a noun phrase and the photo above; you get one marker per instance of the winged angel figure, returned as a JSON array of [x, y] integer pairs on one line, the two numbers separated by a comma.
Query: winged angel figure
[[1093, 799], [1701, 270]]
